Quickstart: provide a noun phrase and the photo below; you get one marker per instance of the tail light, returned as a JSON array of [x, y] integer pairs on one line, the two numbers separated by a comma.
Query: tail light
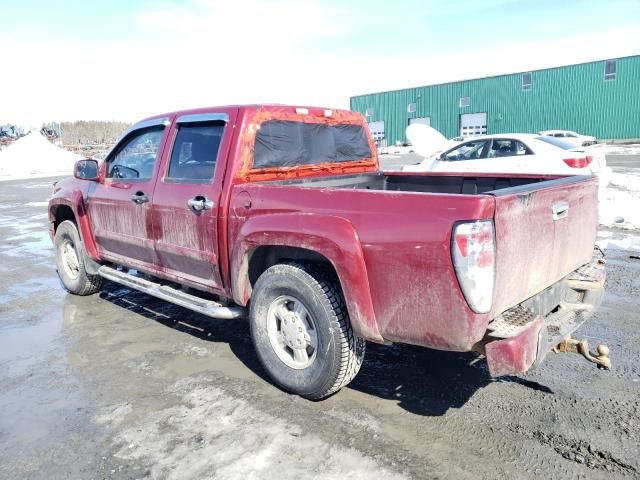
[[473, 250], [579, 162]]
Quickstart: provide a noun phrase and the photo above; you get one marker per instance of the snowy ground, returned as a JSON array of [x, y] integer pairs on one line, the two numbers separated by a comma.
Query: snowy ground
[[620, 206]]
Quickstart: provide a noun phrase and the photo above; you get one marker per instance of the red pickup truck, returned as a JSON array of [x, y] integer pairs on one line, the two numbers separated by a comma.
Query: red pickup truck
[[282, 214]]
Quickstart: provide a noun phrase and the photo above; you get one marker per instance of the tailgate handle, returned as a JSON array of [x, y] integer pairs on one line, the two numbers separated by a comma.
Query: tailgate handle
[[560, 210]]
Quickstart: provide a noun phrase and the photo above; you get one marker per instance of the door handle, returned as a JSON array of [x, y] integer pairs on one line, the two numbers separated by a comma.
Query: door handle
[[200, 203], [139, 198]]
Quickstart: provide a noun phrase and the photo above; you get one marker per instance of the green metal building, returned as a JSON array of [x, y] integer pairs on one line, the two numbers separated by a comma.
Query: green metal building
[[599, 98]]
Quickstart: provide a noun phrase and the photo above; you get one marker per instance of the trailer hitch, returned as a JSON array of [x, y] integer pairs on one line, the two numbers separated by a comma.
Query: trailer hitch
[[572, 345]]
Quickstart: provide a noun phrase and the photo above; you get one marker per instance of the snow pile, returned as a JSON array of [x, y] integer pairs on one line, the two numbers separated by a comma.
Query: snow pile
[[620, 202], [633, 149], [627, 181], [628, 243], [34, 156]]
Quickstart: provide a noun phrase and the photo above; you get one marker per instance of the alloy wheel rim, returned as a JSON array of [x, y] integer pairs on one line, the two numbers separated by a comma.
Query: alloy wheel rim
[[70, 261], [292, 332]]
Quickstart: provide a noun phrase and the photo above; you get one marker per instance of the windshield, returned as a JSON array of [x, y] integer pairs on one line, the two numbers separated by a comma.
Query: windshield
[[558, 142]]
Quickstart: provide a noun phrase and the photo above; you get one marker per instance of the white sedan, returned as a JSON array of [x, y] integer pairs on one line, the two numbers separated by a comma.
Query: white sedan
[[570, 136], [516, 153]]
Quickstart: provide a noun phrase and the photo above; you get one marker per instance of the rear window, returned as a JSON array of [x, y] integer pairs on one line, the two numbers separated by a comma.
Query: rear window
[[282, 143], [558, 142], [195, 150]]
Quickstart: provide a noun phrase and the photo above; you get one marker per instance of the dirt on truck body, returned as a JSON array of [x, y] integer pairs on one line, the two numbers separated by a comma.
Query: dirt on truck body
[[282, 214]]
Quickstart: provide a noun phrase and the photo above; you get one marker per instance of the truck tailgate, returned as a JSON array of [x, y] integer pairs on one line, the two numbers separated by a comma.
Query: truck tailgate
[[544, 231]]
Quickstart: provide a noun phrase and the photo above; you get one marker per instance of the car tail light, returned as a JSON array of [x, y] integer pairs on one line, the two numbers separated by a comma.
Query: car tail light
[[579, 162], [473, 249]]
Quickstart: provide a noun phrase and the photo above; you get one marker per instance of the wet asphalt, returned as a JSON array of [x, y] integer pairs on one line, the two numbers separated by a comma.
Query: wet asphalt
[[122, 385]]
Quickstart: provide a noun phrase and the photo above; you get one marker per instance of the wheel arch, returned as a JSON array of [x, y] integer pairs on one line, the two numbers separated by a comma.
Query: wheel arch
[[73, 209], [324, 240]]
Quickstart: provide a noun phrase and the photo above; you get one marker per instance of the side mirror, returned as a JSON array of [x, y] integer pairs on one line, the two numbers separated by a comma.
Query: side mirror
[[86, 170]]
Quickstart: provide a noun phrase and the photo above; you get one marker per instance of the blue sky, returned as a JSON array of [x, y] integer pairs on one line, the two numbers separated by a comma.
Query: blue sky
[[127, 59]]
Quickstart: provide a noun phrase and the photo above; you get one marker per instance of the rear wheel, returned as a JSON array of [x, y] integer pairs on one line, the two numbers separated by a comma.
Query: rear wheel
[[70, 261], [301, 331]]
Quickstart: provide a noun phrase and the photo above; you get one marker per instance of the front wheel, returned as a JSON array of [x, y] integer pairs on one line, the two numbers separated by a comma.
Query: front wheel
[[301, 331], [70, 261]]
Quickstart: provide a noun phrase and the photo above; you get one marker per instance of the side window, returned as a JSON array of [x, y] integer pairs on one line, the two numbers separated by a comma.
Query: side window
[[195, 151], [507, 148], [467, 151], [135, 159], [522, 149]]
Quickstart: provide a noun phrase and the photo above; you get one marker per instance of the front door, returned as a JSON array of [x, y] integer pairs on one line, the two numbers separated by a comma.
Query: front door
[[187, 198], [508, 155], [119, 205]]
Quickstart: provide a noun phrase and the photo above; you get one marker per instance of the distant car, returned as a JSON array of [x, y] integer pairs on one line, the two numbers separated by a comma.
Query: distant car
[[573, 137], [461, 138], [518, 153]]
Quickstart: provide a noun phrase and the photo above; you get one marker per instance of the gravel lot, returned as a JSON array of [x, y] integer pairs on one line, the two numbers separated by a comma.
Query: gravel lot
[[121, 385]]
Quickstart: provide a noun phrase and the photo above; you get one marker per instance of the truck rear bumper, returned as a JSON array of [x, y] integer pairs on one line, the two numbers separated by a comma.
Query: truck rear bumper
[[519, 338]]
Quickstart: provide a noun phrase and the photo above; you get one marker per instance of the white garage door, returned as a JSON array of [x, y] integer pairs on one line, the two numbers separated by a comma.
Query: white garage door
[[377, 130], [472, 124], [423, 120]]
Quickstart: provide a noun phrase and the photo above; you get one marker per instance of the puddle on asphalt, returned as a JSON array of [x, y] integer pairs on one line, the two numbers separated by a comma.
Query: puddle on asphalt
[[29, 288], [39, 396], [26, 235], [35, 243]]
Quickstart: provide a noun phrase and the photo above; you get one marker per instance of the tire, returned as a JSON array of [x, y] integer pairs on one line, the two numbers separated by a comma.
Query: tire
[[285, 293], [70, 261]]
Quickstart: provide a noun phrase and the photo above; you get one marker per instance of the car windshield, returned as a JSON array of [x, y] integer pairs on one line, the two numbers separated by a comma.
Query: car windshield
[[558, 142]]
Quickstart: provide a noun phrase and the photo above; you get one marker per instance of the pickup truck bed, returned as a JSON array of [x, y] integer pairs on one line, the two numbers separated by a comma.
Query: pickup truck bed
[[424, 183], [404, 224]]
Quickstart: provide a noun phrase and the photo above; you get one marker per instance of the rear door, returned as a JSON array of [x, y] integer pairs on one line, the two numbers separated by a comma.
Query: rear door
[[186, 203], [544, 231], [508, 155], [119, 205]]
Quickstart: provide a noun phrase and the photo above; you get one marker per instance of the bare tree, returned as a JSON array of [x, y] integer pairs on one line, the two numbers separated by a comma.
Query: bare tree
[[88, 132]]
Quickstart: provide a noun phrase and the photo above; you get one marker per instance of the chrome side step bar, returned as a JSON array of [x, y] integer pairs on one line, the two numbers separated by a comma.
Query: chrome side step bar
[[165, 292]]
